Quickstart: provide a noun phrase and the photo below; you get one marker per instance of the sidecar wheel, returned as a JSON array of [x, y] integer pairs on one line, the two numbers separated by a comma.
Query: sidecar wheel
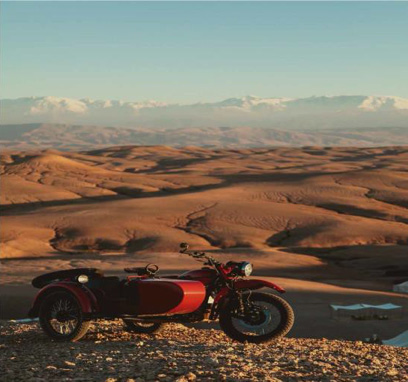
[[142, 327], [271, 319], [61, 317]]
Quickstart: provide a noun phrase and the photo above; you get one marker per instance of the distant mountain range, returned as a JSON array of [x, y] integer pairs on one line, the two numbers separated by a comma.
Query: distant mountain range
[[339, 112], [77, 137]]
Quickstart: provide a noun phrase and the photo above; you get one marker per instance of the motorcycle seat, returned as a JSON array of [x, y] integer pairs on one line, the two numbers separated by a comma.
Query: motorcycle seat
[[140, 271]]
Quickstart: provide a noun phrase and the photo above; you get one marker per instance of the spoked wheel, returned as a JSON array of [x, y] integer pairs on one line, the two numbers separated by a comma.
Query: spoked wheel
[[61, 317], [142, 327], [267, 318]]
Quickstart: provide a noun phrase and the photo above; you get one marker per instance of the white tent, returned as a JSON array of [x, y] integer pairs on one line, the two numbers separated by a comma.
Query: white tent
[[401, 288], [401, 340], [367, 311], [366, 306]]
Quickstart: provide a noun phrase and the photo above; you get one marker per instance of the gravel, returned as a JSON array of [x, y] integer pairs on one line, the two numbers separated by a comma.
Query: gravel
[[182, 354]]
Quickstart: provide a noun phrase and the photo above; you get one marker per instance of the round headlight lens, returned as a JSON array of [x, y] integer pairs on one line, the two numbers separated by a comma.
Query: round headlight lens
[[246, 268], [83, 279]]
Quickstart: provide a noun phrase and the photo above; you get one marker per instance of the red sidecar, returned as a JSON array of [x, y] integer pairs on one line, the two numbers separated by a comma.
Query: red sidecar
[[136, 295]]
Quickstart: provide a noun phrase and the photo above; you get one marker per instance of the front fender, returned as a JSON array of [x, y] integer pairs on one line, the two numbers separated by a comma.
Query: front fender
[[85, 297], [257, 284], [247, 284]]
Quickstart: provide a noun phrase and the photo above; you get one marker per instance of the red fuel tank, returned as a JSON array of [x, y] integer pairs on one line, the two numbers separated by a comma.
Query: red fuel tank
[[205, 275], [167, 296]]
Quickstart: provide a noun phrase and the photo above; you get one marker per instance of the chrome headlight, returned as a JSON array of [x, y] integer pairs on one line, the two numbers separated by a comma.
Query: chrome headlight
[[83, 279], [246, 268]]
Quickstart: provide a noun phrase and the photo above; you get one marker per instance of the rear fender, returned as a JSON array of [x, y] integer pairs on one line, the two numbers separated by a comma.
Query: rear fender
[[85, 297]]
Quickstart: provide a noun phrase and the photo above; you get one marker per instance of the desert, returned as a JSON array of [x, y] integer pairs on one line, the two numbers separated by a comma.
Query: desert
[[328, 223]]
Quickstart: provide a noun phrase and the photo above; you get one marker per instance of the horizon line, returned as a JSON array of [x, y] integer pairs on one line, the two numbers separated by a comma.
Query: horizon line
[[201, 102]]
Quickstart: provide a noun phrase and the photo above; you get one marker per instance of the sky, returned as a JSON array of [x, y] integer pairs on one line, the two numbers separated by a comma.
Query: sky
[[188, 52]]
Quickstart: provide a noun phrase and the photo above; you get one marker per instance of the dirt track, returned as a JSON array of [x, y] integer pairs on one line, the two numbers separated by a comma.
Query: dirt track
[[184, 354]]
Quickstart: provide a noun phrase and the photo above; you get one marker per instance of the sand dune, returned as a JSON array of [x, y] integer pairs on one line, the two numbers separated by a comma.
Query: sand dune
[[130, 199]]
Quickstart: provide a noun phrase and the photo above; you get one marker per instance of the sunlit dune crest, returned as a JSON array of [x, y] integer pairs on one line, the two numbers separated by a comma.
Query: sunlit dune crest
[[130, 199]]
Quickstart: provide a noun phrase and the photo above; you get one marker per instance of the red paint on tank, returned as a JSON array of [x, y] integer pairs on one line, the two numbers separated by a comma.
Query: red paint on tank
[[167, 296]]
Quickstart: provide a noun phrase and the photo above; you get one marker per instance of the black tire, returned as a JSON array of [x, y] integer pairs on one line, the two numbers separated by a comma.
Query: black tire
[[140, 327], [62, 309], [285, 323]]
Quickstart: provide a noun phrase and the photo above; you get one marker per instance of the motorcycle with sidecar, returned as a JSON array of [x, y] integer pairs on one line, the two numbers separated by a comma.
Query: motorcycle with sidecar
[[69, 300]]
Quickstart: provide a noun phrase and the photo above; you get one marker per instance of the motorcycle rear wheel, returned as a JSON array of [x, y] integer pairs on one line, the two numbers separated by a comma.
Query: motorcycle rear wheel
[[264, 330], [142, 327]]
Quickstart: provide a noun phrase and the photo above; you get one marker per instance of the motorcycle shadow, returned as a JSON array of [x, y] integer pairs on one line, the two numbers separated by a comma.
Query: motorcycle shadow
[[103, 333]]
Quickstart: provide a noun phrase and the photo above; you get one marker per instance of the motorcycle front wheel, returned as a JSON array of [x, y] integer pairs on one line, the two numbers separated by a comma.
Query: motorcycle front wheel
[[267, 318]]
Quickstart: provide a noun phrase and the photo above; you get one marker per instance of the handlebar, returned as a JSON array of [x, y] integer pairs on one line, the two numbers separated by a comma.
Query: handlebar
[[229, 272], [196, 255]]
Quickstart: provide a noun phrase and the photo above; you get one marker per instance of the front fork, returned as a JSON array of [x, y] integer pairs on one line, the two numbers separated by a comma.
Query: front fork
[[234, 297]]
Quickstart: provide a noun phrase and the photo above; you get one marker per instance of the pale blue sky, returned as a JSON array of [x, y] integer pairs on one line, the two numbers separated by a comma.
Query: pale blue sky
[[189, 52]]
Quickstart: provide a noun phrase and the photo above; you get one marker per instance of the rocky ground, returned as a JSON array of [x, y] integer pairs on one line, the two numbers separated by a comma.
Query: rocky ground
[[179, 353]]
